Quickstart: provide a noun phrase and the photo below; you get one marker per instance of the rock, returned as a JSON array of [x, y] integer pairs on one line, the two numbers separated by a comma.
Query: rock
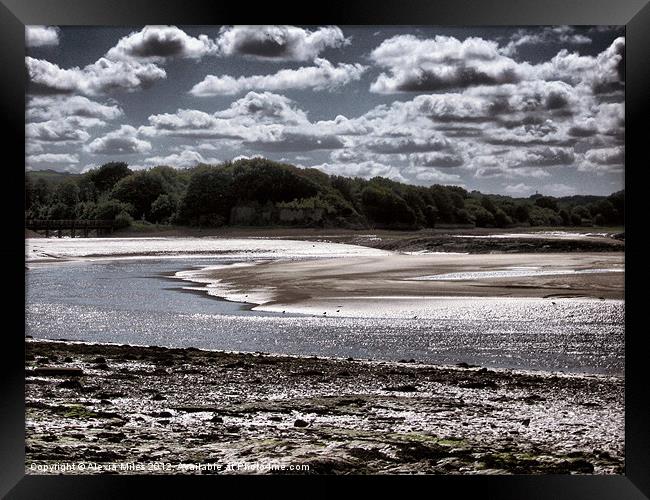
[[478, 384], [216, 419], [237, 364], [525, 422], [164, 414], [275, 418], [306, 373], [99, 359], [109, 394], [70, 384], [300, 423], [50, 370], [158, 397], [401, 388], [102, 366], [67, 359]]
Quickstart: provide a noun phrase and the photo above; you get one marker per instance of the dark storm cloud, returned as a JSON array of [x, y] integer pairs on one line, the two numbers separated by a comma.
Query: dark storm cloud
[[524, 141], [460, 131], [162, 42], [442, 63], [461, 77], [526, 120], [286, 43], [579, 131], [556, 100]]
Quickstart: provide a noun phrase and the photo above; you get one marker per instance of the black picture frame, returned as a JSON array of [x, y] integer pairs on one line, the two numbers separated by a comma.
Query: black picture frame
[[15, 14]]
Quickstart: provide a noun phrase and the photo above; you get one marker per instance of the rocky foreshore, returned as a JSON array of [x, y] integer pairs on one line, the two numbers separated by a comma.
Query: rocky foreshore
[[127, 409]]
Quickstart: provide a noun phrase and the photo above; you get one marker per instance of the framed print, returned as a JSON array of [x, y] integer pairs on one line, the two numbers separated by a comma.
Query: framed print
[[383, 241]]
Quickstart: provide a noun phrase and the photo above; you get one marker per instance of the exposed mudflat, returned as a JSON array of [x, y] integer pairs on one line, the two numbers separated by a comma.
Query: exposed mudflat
[[141, 405], [498, 241], [290, 285]]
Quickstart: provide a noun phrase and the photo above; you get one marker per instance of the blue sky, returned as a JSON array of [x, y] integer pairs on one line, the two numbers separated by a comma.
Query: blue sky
[[509, 110]]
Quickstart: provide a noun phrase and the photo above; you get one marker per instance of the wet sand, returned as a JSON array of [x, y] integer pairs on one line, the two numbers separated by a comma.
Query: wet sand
[[359, 282], [111, 404]]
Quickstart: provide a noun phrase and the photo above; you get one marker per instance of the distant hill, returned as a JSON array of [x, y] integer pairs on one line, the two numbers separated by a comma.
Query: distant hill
[[50, 175]]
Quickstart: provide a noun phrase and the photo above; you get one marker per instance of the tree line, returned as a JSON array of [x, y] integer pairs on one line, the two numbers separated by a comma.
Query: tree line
[[206, 195]]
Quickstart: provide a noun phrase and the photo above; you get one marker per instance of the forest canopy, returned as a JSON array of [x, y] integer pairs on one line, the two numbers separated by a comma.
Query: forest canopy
[[258, 191]]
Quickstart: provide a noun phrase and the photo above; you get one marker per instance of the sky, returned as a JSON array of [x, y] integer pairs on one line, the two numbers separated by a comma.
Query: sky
[[504, 110]]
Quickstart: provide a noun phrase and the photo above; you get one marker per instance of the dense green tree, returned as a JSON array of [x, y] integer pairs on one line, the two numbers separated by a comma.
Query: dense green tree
[[108, 175], [60, 210], [482, 217], [208, 199], [546, 202], [521, 212], [109, 209], [488, 205], [163, 208], [384, 207], [605, 209], [140, 190], [261, 180], [501, 218], [566, 217], [67, 193], [581, 213], [206, 194]]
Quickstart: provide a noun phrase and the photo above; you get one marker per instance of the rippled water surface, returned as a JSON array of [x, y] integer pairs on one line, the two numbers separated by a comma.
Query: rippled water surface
[[132, 301]]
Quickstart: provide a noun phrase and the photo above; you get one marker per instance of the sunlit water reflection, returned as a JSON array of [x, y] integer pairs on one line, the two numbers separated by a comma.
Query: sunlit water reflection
[[133, 302]]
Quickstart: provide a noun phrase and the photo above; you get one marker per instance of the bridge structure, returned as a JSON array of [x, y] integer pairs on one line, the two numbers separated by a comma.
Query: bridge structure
[[74, 226]]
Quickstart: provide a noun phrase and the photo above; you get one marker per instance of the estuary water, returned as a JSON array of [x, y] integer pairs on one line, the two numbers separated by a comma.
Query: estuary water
[[135, 301]]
